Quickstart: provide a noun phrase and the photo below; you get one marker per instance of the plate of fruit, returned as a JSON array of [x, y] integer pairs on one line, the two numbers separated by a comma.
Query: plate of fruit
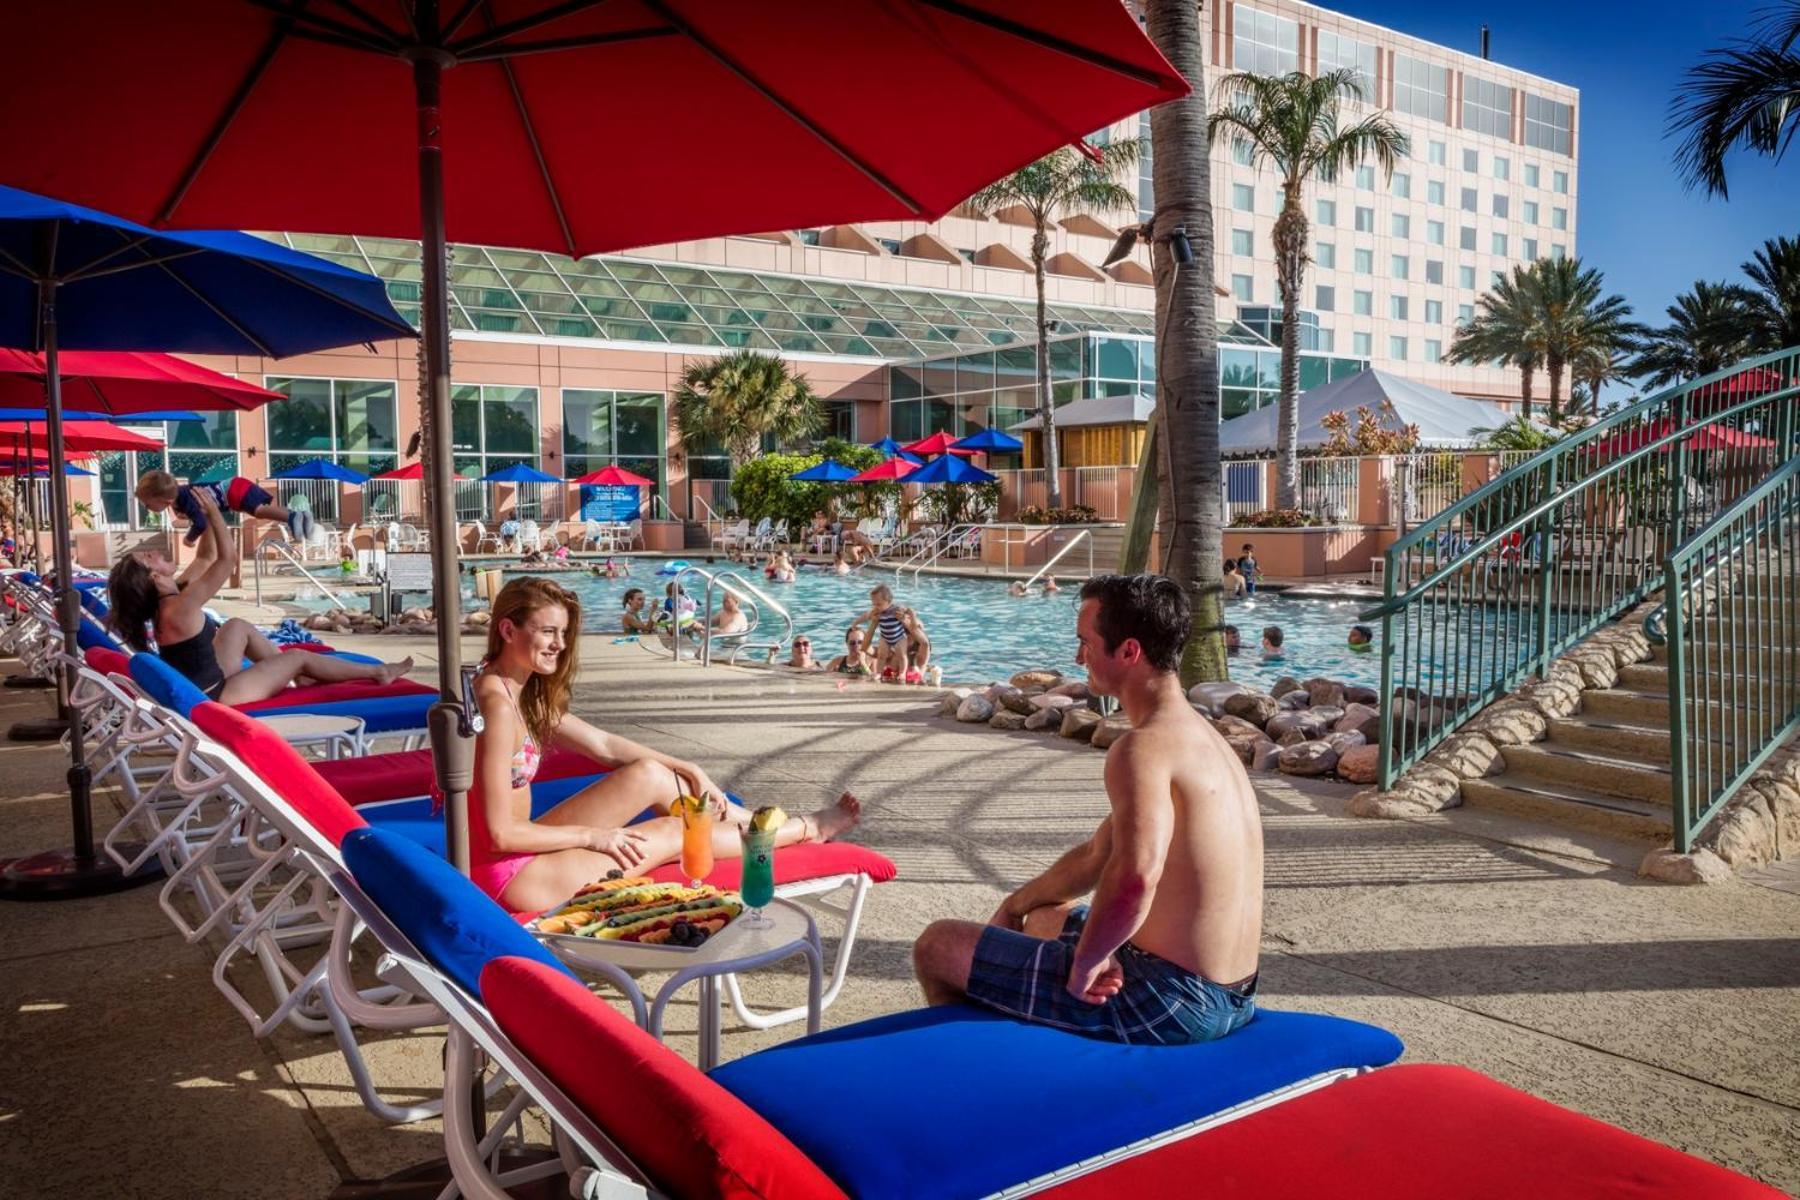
[[641, 913]]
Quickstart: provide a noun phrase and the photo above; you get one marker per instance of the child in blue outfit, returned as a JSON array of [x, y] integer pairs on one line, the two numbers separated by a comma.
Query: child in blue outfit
[[159, 491]]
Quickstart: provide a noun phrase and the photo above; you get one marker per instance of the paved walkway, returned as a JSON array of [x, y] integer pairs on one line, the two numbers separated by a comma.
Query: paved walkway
[[1534, 956]]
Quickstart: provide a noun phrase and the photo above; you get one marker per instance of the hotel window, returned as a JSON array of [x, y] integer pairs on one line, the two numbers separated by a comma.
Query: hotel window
[[1472, 161], [1465, 277], [604, 429], [1487, 107], [348, 422], [1435, 154], [1528, 248], [1362, 303], [1502, 168], [1548, 125], [1434, 232], [1465, 313], [1559, 218], [1434, 191], [1327, 341], [1325, 212], [1499, 244], [1528, 212], [1242, 152], [493, 427], [1399, 266], [1365, 178], [1241, 288], [1397, 349], [1397, 307], [1402, 185], [1434, 312], [1243, 197], [1325, 298], [1243, 241], [1559, 182], [1265, 43], [1325, 254], [1362, 344], [1434, 350], [1558, 251], [1400, 225], [1532, 175], [1365, 220], [1500, 205], [1466, 237], [1434, 271], [1496, 278], [1421, 88], [1470, 200], [1340, 53], [1365, 262]]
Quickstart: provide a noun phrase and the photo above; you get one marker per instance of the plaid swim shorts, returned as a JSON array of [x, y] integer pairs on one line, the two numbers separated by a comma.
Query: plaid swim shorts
[[1160, 1003]]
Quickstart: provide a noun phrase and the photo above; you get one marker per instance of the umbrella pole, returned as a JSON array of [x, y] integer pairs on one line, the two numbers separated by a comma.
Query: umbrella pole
[[452, 746], [65, 874]]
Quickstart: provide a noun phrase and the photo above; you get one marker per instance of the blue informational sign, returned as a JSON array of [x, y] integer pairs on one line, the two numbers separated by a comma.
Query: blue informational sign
[[610, 502]]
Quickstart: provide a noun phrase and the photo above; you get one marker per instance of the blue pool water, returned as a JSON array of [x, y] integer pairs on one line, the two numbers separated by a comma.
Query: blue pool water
[[979, 633]]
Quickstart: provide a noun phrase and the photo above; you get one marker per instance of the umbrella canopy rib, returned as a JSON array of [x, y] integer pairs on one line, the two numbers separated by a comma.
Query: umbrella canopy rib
[[537, 154], [1048, 41]]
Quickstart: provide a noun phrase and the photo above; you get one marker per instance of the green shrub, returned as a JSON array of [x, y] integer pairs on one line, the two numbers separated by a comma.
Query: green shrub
[[1278, 518], [1075, 514], [761, 488]]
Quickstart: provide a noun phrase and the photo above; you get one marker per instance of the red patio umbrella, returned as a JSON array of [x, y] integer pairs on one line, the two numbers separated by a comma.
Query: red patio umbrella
[[616, 477], [1706, 437], [88, 436], [893, 468], [123, 382], [413, 471], [938, 443]]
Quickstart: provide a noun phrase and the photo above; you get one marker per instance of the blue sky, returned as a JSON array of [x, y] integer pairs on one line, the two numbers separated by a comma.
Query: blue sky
[[1636, 223]]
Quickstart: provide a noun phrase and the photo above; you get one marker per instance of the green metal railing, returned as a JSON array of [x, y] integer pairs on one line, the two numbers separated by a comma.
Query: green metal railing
[[1733, 647], [1490, 590]]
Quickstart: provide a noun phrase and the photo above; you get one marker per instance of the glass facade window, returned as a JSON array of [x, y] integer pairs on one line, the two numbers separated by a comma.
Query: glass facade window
[[1146, 175], [1363, 303], [1558, 251], [1434, 232], [1325, 212], [1487, 107], [1500, 244], [1528, 249], [1434, 312], [1421, 88], [1399, 265], [1325, 298], [1434, 191], [1340, 53], [1401, 185], [1559, 218], [1243, 197], [1365, 178], [1434, 271], [349, 422], [203, 450], [1242, 288], [1470, 200], [1242, 152], [1465, 277], [1365, 262], [625, 429], [1400, 225], [1397, 348], [1502, 168], [1532, 175], [1264, 43], [1559, 182], [1500, 205], [1549, 125], [1362, 344], [1435, 153], [493, 427], [1472, 161], [1465, 313], [1365, 220], [1325, 254], [1466, 237], [1434, 350], [1243, 241], [1397, 307], [1327, 341], [1528, 212]]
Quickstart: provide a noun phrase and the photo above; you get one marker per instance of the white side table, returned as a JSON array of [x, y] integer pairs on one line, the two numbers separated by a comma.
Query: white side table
[[733, 950], [333, 736]]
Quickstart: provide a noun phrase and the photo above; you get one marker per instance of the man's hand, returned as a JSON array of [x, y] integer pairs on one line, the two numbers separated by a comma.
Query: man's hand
[[1096, 984], [1006, 917]]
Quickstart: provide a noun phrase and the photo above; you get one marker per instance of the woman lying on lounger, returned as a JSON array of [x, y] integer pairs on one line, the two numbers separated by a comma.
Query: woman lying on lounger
[[523, 690], [148, 597]]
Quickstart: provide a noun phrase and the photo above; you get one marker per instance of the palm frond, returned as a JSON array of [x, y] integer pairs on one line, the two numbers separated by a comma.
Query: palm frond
[[1744, 96]]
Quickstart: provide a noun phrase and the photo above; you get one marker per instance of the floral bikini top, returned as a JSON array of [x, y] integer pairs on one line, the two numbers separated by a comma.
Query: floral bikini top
[[529, 755]]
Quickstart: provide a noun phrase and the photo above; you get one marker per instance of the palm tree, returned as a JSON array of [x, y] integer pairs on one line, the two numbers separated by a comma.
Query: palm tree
[[1290, 122], [1576, 321], [1745, 96], [737, 399], [1063, 182], [1185, 427], [1710, 327], [1592, 370], [1504, 330], [1775, 270]]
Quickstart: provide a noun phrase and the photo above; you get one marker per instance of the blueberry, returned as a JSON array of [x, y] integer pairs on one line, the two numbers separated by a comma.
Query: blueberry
[[615, 873]]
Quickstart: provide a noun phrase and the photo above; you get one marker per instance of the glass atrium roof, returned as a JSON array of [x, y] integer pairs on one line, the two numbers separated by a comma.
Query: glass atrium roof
[[638, 300]]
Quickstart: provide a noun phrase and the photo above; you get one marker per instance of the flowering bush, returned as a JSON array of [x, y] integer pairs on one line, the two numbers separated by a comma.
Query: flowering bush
[[1075, 514], [1278, 518]]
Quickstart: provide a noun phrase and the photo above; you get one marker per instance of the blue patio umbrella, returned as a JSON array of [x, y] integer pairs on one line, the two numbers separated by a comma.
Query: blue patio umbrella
[[991, 441], [78, 279], [321, 468], [80, 414], [519, 473], [887, 446], [44, 472], [948, 468], [829, 471]]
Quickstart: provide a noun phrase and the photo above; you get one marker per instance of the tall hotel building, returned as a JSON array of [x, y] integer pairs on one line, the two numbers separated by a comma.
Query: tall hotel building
[[909, 327]]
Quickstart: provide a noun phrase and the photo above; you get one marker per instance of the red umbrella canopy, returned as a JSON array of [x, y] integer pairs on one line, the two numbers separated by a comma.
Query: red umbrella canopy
[[123, 383], [938, 443], [411, 471], [1706, 437], [893, 468], [78, 436], [616, 476], [837, 111]]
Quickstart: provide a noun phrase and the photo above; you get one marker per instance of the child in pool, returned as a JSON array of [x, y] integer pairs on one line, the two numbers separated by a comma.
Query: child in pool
[[159, 491], [887, 632], [1362, 639], [1272, 650]]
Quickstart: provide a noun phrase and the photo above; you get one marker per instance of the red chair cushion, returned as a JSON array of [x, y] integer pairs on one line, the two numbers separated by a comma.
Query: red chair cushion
[[1421, 1132], [107, 662], [408, 773], [315, 647], [813, 860], [280, 766], [331, 693], [694, 1139]]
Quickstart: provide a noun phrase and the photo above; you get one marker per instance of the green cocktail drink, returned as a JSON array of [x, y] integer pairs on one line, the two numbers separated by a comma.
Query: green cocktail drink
[[757, 886]]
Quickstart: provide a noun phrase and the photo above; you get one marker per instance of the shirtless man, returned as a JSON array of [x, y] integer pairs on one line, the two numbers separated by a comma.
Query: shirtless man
[[1175, 869]]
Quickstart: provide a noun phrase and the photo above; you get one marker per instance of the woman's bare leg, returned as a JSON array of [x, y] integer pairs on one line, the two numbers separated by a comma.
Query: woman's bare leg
[[260, 680]]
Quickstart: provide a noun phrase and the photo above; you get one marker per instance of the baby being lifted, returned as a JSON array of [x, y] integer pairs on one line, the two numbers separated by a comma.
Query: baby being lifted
[[159, 491]]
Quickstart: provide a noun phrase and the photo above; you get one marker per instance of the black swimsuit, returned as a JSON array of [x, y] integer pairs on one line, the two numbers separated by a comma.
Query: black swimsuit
[[195, 658]]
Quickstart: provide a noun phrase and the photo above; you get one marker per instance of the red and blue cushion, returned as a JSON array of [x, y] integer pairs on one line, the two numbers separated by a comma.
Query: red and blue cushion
[[279, 766]]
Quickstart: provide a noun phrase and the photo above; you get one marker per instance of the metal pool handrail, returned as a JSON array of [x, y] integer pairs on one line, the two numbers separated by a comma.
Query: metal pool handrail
[[1080, 536]]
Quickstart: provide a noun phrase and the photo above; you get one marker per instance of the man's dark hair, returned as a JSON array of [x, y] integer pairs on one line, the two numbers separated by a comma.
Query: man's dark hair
[[1272, 635], [1248, 546], [1363, 632], [1150, 608]]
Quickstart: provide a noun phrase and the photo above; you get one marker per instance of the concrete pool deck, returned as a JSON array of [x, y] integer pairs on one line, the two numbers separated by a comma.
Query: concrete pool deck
[[1533, 955]]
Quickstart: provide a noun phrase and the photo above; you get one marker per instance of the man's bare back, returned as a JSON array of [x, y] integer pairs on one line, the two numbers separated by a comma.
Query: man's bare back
[[1206, 914]]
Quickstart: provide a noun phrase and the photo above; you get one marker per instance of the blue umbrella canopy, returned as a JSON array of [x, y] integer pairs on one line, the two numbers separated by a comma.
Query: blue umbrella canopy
[[829, 471], [320, 468], [39, 415], [519, 473], [948, 468], [887, 446], [990, 441]]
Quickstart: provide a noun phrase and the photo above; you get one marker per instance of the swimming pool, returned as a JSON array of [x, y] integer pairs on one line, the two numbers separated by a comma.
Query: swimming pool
[[979, 633]]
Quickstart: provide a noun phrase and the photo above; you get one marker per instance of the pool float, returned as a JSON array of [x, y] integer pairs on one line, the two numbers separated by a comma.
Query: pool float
[[674, 566]]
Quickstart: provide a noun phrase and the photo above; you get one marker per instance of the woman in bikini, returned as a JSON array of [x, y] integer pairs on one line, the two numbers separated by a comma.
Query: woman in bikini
[[529, 863]]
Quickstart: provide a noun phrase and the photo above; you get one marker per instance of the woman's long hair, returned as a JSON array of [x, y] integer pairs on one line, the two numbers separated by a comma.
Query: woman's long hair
[[545, 698], [132, 593]]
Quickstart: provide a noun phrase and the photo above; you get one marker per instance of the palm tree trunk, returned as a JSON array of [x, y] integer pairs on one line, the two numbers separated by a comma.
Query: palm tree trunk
[[1525, 382], [1290, 269], [1040, 250], [1187, 346], [1554, 368]]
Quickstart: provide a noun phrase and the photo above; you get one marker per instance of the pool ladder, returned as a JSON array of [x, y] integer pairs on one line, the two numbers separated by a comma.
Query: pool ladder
[[749, 594]]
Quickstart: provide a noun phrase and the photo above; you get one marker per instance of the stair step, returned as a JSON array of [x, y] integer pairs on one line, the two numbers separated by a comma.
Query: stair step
[[1618, 705], [1566, 804], [1606, 774], [1653, 677], [1638, 742]]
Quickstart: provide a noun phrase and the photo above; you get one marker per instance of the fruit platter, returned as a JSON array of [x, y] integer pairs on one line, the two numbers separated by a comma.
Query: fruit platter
[[637, 912]]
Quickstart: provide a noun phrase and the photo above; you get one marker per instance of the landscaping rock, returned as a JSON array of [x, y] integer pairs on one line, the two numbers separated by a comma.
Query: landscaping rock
[[1041, 677], [1430, 785], [1294, 737], [481, 617], [1110, 730], [1359, 764], [1265, 756], [1045, 718], [1598, 670], [1050, 701], [1342, 742], [975, 709], [1074, 689], [1295, 701], [1554, 697], [1079, 723], [1284, 685], [1255, 707], [1229, 727], [1361, 718], [1468, 756], [1328, 713], [952, 700], [1214, 695], [1244, 745], [1668, 866], [1390, 806], [1355, 693], [1007, 719], [1308, 758], [1325, 691], [1016, 701], [1510, 723], [1743, 836], [1302, 721]]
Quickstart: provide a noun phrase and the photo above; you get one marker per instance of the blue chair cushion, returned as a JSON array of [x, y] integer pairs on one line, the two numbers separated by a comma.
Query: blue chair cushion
[[93, 598], [386, 714], [90, 634], [414, 819], [957, 1101], [164, 684], [449, 920]]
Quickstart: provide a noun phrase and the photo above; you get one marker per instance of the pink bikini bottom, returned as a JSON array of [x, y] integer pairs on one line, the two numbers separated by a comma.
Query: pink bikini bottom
[[492, 875]]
